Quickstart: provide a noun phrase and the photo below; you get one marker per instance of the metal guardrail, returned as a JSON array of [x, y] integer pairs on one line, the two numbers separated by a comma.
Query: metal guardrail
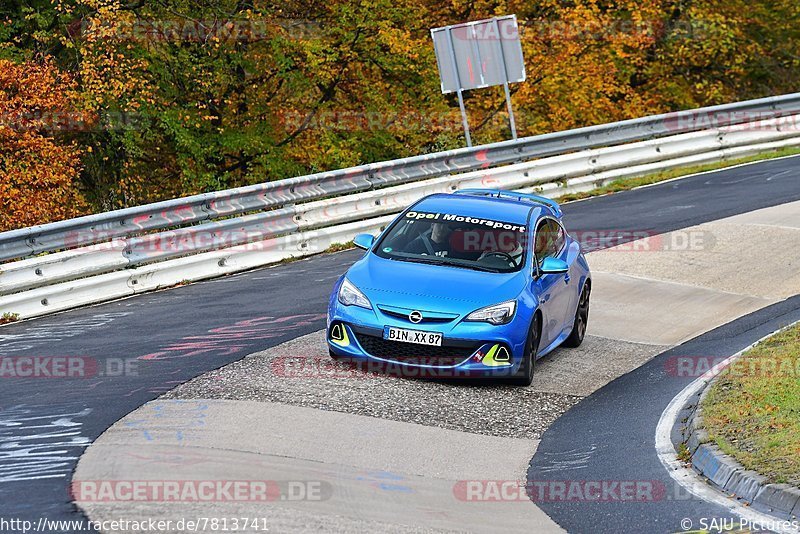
[[179, 212], [138, 263], [121, 267]]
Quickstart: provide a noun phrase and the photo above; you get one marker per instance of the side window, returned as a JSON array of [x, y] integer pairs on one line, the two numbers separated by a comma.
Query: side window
[[550, 238], [540, 243], [544, 241], [560, 237]]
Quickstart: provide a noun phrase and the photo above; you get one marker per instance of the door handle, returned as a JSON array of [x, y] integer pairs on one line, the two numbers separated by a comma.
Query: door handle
[[566, 278]]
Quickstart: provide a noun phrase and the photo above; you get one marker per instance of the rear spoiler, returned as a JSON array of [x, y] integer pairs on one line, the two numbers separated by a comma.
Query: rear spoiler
[[523, 197]]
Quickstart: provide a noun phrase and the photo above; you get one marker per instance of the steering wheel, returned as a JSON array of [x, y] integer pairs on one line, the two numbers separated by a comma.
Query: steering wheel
[[500, 254]]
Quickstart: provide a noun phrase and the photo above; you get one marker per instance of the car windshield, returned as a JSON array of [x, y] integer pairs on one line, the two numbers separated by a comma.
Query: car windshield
[[454, 240]]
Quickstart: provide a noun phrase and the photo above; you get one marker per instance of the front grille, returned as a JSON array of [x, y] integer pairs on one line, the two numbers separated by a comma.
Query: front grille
[[426, 319], [412, 354]]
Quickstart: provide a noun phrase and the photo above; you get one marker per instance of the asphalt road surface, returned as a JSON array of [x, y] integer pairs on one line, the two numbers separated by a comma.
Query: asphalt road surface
[[139, 348], [610, 436]]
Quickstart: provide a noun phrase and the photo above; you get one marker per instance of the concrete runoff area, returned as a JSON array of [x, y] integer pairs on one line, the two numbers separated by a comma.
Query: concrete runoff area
[[697, 278], [409, 490], [749, 254], [395, 451], [301, 373], [640, 310]]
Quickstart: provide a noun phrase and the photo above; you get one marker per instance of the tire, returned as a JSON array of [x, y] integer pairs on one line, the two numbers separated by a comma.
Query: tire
[[581, 319], [524, 376]]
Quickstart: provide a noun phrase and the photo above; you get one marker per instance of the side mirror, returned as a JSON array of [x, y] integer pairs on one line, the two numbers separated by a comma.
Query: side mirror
[[364, 241], [554, 266]]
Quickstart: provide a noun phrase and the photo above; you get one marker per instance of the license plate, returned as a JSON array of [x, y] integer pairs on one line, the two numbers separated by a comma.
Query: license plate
[[412, 336]]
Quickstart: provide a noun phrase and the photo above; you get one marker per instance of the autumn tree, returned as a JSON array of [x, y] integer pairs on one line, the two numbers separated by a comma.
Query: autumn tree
[[38, 170], [194, 96]]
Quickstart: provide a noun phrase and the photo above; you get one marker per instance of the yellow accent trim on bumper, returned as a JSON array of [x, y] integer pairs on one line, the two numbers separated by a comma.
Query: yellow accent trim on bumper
[[345, 341], [489, 360]]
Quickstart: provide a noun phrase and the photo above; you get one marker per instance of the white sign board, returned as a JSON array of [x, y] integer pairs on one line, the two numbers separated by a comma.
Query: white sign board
[[479, 54]]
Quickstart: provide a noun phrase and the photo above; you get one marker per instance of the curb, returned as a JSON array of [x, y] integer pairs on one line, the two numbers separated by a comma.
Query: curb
[[729, 476]]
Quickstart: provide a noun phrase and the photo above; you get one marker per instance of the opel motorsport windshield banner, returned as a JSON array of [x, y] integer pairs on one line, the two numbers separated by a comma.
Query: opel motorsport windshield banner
[[447, 217], [473, 234]]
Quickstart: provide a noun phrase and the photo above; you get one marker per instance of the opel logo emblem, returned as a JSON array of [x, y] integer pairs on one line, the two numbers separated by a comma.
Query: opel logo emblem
[[415, 316]]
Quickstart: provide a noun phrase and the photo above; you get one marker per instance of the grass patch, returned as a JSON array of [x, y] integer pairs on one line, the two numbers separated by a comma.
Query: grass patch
[[625, 184], [684, 454], [335, 247], [338, 247], [7, 318], [752, 411]]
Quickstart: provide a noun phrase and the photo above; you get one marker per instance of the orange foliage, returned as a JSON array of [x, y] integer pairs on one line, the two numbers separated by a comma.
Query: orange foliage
[[38, 173], [191, 96]]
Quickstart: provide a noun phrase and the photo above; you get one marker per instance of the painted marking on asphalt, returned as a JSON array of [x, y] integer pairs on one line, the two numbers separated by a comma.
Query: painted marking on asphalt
[[36, 445], [378, 480], [53, 333], [675, 182], [183, 417], [568, 460], [686, 477], [219, 341], [781, 174], [732, 182]]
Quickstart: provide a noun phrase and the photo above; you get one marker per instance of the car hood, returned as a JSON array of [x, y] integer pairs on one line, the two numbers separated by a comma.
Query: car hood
[[432, 287]]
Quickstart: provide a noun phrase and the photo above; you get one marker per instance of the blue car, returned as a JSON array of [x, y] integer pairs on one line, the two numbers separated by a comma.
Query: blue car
[[478, 283]]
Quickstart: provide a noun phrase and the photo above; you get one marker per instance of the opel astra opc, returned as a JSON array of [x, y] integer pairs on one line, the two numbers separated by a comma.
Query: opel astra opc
[[475, 283]]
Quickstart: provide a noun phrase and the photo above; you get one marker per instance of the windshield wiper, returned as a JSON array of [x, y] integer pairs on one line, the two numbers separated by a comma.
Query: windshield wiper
[[414, 259], [479, 268], [472, 266], [437, 260]]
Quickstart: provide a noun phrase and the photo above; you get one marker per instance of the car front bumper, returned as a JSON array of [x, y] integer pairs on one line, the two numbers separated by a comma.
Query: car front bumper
[[469, 349]]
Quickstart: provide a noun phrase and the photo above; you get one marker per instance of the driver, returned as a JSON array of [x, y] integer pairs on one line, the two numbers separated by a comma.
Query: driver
[[436, 242]]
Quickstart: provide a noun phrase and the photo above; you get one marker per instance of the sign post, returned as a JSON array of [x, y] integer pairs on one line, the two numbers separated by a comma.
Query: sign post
[[479, 54], [464, 120], [512, 126]]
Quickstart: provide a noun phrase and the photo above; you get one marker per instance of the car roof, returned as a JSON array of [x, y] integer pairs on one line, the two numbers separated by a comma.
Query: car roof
[[504, 209]]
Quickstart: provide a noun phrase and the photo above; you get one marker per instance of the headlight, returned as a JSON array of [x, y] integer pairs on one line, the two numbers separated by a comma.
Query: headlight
[[498, 314], [349, 295]]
